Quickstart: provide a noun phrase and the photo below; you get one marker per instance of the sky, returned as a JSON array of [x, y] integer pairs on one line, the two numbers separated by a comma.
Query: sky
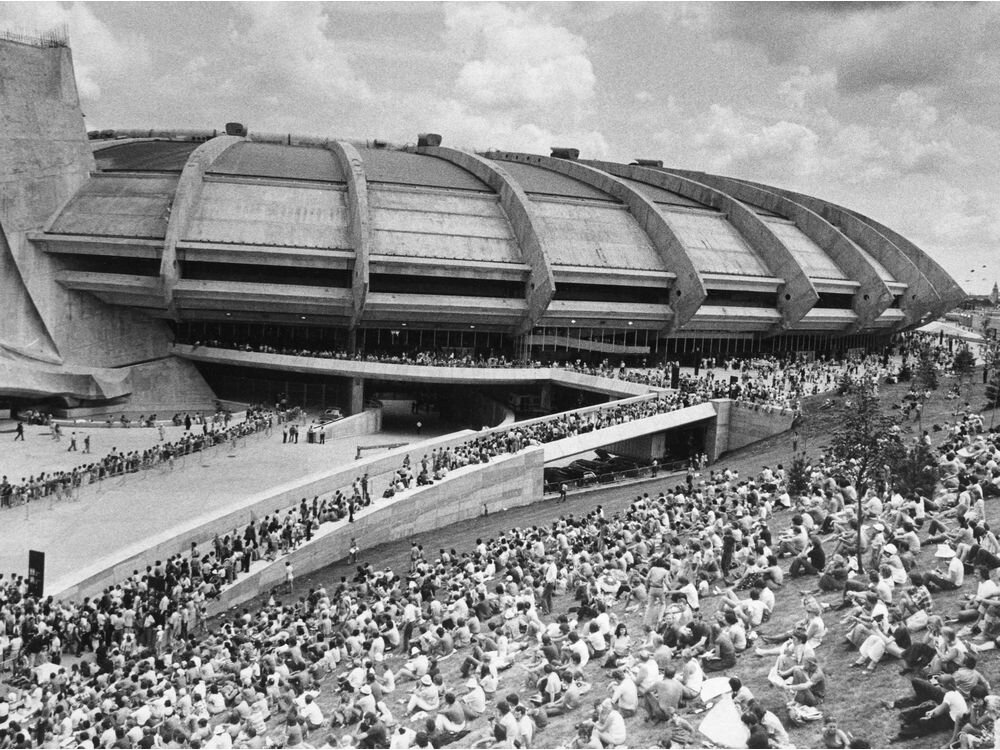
[[891, 109]]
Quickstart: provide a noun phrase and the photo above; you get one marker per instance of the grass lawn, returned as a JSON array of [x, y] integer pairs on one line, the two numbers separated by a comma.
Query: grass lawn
[[852, 696]]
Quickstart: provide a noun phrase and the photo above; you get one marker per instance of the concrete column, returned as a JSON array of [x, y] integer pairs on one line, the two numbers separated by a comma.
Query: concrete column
[[717, 434], [545, 401], [357, 394]]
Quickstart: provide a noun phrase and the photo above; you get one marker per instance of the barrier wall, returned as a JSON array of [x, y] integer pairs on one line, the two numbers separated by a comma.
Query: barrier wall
[[739, 424], [507, 482]]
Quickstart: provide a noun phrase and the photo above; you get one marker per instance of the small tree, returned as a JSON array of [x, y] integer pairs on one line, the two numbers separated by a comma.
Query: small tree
[[866, 442], [927, 374], [798, 476], [916, 471], [963, 365]]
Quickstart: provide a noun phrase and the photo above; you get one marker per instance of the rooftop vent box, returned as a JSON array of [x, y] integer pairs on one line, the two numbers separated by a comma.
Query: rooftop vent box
[[559, 152], [236, 128], [648, 162], [428, 140]]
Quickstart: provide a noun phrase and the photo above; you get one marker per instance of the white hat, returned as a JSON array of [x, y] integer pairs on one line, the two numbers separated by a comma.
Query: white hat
[[944, 552], [426, 680], [890, 549], [365, 690]]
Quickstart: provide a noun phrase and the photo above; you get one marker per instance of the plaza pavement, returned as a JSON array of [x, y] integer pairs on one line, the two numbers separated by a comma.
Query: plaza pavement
[[116, 513]]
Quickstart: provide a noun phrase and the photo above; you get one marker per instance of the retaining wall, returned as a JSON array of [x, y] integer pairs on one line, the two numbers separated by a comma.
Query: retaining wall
[[504, 483]]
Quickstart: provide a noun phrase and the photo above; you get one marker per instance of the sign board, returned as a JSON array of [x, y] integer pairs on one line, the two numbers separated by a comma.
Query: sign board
[[36, 573]]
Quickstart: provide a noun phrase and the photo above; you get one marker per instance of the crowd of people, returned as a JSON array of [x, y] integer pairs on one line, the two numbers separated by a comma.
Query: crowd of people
[[485, 646], [58, 485], [774, 380]]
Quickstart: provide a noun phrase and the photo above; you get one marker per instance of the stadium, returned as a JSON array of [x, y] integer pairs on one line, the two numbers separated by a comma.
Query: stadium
[[121, 244], [537, 316]]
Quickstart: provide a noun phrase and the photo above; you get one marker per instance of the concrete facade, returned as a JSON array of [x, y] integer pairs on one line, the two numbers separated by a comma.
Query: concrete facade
[[60, 342]]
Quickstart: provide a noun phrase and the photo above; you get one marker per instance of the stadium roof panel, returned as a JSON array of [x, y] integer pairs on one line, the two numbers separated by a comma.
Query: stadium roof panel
[[282, 162], [145, 156]]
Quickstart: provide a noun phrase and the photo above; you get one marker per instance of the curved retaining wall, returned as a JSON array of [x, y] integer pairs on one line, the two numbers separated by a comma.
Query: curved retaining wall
[[92, 579], [507, 482]]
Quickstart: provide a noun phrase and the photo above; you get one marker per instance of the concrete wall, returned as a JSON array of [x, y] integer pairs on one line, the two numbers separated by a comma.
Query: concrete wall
[[366, 422], [222, 520], [507, 482], [750, 423]]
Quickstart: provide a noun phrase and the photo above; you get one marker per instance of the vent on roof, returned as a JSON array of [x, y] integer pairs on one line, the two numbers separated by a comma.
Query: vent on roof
[[648, 163], [236, 128], [425, 140], [379, 143], [559, 152]]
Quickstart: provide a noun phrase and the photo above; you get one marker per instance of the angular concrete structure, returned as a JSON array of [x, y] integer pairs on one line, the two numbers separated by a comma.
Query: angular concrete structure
[[114, 247]]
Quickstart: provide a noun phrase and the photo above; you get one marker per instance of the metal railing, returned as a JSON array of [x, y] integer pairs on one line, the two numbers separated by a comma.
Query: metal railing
[[612, 477]]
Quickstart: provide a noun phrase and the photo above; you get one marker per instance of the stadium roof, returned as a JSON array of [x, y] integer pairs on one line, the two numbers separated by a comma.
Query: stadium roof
[[342, 233]]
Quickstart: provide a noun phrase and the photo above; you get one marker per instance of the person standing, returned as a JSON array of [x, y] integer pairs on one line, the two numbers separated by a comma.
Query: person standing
[[86, 443], [354, 551], [289, 577], [19, 431], [562, 492], [72, 442]]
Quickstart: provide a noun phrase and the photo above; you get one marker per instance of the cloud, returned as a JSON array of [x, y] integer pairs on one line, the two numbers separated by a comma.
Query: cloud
[[516, 59], [805, 86], [870, 46]]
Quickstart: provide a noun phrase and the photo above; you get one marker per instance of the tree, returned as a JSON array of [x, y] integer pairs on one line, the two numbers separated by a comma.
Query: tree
[[962, 365], [927, 373], [866, 445], [916, 472], [798, 476]]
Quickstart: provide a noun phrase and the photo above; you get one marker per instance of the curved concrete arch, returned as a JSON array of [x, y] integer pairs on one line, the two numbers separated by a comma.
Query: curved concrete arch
[[361, 223], [798, 295], [950, 293], [872, 298], [517, 207], [921, 297], [688, 291], [186, 197]]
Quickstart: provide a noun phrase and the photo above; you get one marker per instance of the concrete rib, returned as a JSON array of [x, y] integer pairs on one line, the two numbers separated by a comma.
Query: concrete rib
[[186, 197], [871, 299], [361, 223], [921, 297], [517, 206], [798, 295], [688, 292]]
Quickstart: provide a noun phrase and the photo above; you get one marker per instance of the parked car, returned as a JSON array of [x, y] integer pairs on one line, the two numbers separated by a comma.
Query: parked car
[[333, 414]]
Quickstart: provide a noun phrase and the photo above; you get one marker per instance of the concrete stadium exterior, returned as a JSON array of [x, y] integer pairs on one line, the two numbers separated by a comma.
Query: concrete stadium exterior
[[114, 246]]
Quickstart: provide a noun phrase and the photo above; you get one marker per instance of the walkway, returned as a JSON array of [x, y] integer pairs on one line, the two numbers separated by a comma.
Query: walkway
[[413, 373], [115, 514]]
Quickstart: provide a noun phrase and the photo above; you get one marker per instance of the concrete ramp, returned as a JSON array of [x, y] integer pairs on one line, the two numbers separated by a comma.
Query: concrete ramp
[[350, 368], [588, 441]]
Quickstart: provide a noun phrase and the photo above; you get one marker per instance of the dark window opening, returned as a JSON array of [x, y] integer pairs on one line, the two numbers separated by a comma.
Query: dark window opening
[[113, 264], [740, 298], [391, 283], [252, 274], [599, 293], [831, 301]]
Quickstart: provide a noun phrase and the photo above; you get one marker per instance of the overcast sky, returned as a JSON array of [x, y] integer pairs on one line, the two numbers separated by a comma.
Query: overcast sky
[[890, 109]]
